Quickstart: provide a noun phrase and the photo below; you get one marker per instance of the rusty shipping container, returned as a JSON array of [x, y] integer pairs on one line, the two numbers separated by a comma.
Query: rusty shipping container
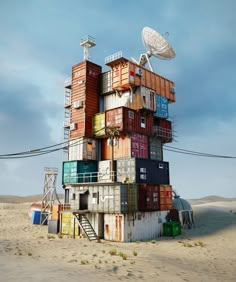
[[99, 125], [133, 227], [154, 197], [128, 120], [105, 86], [155, 148], [133, 145], [143, 171], [105, 197], [142, 98], [82, 149], [84, 98], [126, 74]]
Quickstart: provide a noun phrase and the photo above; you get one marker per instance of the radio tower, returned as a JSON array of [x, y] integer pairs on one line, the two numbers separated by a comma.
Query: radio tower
[[49, 193], [87, 42]]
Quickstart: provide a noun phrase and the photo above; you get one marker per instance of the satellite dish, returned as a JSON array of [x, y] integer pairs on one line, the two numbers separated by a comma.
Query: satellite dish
[[156, 46]]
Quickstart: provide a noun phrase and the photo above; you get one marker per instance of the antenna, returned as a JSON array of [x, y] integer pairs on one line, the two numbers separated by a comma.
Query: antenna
[[87, 42], [156, 46]]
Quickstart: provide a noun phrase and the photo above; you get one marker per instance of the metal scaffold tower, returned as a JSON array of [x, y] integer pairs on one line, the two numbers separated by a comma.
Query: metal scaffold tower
[[49, 193], [87, 42]]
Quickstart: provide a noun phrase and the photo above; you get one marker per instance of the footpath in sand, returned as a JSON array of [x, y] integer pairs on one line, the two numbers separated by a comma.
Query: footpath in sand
[[205, 253]]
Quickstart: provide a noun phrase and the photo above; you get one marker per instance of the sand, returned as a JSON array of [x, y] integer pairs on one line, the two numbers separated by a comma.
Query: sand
[[205, 253]]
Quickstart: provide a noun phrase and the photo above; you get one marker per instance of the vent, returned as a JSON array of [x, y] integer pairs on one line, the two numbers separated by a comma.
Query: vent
[[73, 126], [78, 104]]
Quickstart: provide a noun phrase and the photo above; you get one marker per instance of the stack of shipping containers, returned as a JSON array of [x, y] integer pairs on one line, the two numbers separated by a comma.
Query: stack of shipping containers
[[123, 185]]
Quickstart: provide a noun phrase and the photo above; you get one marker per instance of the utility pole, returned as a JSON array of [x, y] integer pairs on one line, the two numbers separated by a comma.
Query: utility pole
[[113, 134]]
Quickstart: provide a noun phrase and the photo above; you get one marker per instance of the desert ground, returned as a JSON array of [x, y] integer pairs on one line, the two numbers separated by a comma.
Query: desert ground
[[205, 253]]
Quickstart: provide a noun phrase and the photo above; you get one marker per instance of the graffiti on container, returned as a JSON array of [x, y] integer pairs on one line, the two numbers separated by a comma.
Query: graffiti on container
[[103, 199]]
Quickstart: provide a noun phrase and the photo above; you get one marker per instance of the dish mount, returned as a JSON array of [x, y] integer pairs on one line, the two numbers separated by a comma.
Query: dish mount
[[156, 46]]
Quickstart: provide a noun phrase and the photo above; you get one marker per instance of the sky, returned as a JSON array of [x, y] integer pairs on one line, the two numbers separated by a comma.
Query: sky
[[40, 41]]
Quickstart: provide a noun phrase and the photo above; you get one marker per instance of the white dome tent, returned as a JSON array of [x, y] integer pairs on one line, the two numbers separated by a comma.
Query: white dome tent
[[184, 209]]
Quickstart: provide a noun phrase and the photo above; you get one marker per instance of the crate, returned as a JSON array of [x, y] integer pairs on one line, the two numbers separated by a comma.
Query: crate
[[172, 228]]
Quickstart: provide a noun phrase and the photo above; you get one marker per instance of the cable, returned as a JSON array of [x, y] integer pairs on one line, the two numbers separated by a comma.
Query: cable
[[195, 153]]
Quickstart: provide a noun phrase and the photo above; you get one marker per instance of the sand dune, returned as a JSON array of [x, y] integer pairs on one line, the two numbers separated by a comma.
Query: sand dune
[[205, 253]]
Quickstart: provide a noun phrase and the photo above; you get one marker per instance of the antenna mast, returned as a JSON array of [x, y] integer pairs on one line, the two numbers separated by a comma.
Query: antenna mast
[[87, 42]]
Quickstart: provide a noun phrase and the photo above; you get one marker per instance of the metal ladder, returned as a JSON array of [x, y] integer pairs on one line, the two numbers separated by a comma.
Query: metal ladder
[[86, 226]]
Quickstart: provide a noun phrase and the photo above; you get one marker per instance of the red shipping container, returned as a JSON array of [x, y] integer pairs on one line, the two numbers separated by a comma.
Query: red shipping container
[[129, 120], [155, 197]]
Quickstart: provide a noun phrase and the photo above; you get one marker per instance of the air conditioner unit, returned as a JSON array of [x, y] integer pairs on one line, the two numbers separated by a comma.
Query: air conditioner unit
[[172, 90], [78, 104], [73, 126], [139, 71]]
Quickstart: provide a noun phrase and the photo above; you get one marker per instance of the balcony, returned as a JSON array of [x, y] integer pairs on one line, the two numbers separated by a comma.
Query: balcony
[[165, 134]]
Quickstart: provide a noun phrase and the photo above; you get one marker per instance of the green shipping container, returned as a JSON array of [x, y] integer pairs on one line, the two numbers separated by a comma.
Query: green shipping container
[[79, 171], [172, 228]]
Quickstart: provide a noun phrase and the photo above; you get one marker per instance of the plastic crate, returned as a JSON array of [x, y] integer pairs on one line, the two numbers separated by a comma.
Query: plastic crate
[[172, 228]]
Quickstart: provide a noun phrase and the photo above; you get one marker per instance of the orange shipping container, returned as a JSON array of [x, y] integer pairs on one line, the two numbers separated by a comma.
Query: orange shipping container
[[135, 145], [126, 74], [84, 98]]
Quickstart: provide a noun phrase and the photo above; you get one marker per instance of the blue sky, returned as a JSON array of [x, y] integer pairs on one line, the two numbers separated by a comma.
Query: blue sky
[[40, 41]]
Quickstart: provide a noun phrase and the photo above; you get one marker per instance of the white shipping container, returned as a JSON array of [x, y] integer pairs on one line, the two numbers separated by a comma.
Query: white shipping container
[[134, 227], [106, 171], [115, 100], [142, 98], [82, 149]]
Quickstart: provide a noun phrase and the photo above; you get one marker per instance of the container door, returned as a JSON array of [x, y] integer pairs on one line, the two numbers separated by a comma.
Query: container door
[[83, 201], [118, 228]]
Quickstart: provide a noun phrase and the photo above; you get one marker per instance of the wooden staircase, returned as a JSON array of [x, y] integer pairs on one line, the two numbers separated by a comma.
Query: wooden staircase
[[86, 226]]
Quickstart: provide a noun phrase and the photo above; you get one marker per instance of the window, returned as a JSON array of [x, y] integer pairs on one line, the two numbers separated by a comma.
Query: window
[[155, 197], [131, 114], [143, 122]]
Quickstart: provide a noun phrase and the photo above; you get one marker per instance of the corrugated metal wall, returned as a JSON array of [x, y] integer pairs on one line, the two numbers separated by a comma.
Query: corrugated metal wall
[[82, 148], [84, 89]]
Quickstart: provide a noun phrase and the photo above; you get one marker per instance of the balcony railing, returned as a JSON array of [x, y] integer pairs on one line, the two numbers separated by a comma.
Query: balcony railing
[[164, 133], [73, 178]]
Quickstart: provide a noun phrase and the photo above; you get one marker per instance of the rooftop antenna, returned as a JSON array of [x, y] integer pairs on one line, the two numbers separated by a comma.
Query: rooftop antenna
[[87, 42], [156, 46]]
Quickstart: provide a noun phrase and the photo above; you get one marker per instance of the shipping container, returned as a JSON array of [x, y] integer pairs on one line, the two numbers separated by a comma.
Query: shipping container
[[163, 129], [161, 107], [82, 148], [79, 171], [127, 120], [105, 83], [126, 74], [106, 171], [133, 227], [144, 171], [133, 145], [69, 224], [105, 198], [99, 125], [84, 98], [155, 148], [142, 98], [154, 197]]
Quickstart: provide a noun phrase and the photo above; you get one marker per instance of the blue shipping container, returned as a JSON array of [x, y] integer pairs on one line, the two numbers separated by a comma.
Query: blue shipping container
[[36, 217], [161, 107]]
